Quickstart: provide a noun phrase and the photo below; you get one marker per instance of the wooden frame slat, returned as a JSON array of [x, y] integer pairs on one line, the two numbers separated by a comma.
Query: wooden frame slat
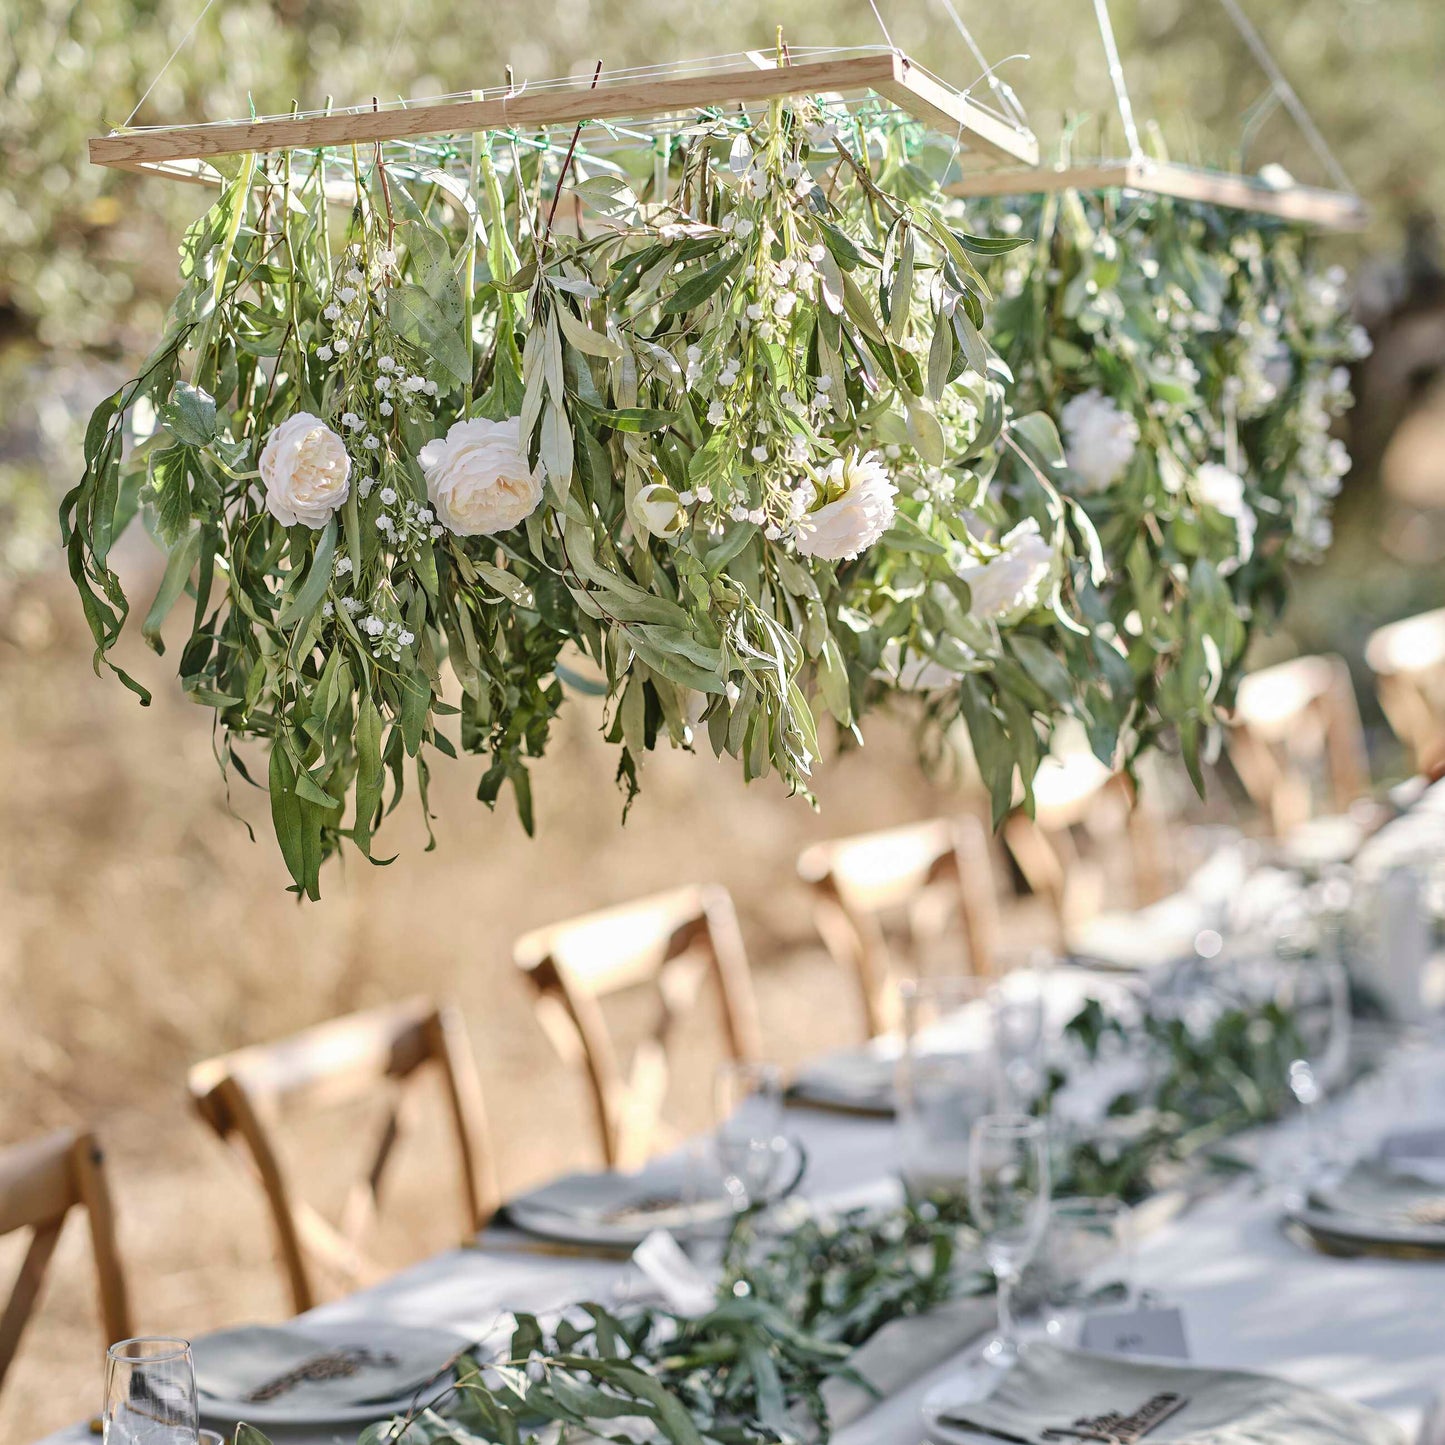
[[1307, 205], [176, 150]]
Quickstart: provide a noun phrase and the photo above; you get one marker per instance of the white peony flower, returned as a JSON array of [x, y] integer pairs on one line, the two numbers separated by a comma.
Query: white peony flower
[[1099, 439], [854, 520], [306, 471], [1012, 584], [1218, 487], [661, 512], [479, 479]]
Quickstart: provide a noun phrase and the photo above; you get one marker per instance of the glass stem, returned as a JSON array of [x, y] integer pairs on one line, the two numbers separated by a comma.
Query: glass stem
[[1005, 1306]]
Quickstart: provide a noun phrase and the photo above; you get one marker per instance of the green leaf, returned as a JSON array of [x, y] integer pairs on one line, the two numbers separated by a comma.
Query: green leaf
[[417, 317], [189, 415], [307, 597], [178, 571], [297, 823], [696, 289]]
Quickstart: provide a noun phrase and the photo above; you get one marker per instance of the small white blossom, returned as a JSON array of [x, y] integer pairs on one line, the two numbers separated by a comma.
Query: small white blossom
[[371, 443], [351, 421], [386, 363], [386, 408], [323, 353], [388, 496], [343, 566], [716, 414], [342, 346], [332, 312], [760, 454], [732, 692]]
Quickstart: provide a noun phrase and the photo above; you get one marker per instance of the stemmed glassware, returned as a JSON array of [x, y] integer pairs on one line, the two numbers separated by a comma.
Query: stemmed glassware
[[1086, 1260], [1016, 1004], [1315, 994], [749, 1139], [1008, 1194], [946, 1078], [150, 1393]]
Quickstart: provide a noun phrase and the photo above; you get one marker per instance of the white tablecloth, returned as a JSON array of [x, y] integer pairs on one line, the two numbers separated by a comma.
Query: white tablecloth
[[1372, 1330]]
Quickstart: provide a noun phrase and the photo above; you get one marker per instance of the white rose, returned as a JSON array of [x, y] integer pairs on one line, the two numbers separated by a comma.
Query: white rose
[[305, 470], [660, 510], [478, 478], [1012, 584], [1099, 439], [854, 520], [1218, 487]]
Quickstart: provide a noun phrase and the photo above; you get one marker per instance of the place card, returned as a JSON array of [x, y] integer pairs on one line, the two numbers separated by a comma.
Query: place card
[[675, 1277], [1154, 1332]]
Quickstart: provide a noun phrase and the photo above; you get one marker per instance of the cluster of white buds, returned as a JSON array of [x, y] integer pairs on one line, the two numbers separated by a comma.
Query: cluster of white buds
[[406, 525], [387, 637]]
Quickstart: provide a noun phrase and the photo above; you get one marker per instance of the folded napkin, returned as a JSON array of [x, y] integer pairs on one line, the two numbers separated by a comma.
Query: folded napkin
[[349, 1365], [857, 1080], [903, 1351], [1052, 1389], [1376, 1192]]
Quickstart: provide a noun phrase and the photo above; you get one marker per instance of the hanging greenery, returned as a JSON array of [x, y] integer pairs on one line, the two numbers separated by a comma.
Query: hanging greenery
[[1195, 360], [705, 422], [717, 439]]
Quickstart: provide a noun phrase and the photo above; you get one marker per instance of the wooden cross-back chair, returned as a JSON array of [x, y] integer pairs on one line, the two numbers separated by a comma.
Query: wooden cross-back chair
[[671, 943], [40, 1183], [244, 1095], [1408, 660], [1297, 742], [937, 874], [1078, 797]]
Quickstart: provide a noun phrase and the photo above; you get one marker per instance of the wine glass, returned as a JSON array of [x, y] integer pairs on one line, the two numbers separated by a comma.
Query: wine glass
[[1315, 995], [946, 1078], [1008, 1194], [749, 1103], [1017, 1006], [150, 1393]]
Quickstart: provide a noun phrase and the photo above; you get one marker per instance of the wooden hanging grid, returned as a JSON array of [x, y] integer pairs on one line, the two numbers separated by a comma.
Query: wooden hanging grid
[[1307, 205], [182, 152]]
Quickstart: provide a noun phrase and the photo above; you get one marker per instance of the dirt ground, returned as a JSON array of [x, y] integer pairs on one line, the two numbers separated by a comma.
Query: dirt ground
[[141, 930]]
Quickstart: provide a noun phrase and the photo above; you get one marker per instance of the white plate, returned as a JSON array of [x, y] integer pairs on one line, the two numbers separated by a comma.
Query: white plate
[[684, 1220]]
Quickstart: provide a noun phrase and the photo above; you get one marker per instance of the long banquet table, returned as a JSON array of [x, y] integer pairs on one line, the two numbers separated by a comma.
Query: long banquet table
[[1369, 1329], [1372, 1330]]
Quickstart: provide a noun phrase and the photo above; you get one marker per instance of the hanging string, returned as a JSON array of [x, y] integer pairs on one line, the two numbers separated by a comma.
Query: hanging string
[[878, 16], [1007, 99], [1287, 94], [1116, 76], [185, 40]]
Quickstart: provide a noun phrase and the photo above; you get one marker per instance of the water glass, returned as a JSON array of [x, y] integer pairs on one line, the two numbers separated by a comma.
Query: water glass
[[947, 1077], [1016, 1004], [749, 1103], [1086, 1260], [150, 1393], [1315, 995], [1008, 1194]]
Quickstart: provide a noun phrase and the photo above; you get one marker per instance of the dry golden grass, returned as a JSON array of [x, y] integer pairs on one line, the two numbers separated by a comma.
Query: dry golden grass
[[142, 930]]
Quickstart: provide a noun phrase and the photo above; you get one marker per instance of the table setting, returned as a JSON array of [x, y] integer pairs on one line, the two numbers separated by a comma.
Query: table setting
[[1061, 1205]]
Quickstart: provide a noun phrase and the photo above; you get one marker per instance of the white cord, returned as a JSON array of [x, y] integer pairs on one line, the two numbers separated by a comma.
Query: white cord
[[878, 16], [1002, 89], [1287, 94], [185, 39], [1116, 76]]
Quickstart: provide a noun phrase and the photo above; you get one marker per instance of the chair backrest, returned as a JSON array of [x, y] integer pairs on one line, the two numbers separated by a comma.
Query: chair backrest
[[244, 1095], [1079, 799], [1408, 660], [937, 875], [670, 943], [40, 1183], [1297, 742]]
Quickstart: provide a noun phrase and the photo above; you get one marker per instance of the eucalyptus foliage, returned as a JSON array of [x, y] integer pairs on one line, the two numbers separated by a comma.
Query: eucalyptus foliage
[[725, 368], [1195, 359]]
